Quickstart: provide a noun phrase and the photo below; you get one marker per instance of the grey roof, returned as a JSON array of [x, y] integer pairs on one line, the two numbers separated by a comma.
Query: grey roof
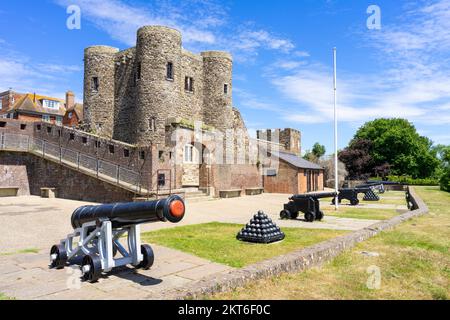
[[297, 161]]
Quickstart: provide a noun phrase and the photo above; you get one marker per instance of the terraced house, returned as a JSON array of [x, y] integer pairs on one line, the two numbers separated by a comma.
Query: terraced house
[[33, 107]]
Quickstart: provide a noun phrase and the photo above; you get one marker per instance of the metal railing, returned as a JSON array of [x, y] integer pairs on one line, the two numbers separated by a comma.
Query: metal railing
[[89, 164]]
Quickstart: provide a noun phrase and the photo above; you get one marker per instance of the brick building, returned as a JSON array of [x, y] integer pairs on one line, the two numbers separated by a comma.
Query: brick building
[[286, 171], [34, 107]]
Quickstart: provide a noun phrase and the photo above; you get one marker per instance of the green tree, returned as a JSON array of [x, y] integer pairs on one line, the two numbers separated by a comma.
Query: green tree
[[318, 150], [445, 160], [396, 142]]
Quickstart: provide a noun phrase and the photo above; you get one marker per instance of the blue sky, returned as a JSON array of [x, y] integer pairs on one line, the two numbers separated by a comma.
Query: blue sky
[[282, 56]]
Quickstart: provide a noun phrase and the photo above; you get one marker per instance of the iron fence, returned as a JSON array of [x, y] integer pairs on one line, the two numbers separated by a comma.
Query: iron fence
[[83, 162]]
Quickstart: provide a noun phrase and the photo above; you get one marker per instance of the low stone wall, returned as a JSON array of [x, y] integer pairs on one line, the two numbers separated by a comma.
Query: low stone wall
[[293, 262]]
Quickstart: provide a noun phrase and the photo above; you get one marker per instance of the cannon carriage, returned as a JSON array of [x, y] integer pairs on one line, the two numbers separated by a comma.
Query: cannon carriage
[[98, 229], [308, 204]]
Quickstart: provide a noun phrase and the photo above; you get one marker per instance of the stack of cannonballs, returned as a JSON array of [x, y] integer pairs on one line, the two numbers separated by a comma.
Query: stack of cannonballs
[[260, 229]]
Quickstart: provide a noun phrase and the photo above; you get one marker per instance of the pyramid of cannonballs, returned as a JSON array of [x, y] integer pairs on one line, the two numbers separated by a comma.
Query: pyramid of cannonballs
[[260, 229]]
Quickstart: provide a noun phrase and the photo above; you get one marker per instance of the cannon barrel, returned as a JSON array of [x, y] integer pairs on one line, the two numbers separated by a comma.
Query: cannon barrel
[[318, 195], [125, 214]]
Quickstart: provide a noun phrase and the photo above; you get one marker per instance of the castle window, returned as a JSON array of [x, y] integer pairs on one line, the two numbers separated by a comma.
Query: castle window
[[161, 155], [142, 155], [111, 148], [189, 84], [38, 127], [152, 124], [23, 126], [169, 70], [49, 130], [161, 180], [138, 71], [2, 124], [72, 136], [98, 144], [126, 153], [84, 140], [225, 88], [94, 84]]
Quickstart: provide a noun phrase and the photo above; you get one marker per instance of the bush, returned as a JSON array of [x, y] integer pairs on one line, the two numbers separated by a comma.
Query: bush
[[413, 182], [445, 181]]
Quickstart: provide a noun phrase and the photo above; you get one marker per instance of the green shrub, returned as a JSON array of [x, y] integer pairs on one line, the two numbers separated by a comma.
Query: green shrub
[[445, 181], [413, 182]]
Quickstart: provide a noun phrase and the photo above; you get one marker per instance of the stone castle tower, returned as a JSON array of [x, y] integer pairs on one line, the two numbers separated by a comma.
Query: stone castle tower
[[131, 95]]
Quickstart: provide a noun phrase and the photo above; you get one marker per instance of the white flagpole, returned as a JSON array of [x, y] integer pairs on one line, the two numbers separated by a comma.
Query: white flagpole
[[336, 176]]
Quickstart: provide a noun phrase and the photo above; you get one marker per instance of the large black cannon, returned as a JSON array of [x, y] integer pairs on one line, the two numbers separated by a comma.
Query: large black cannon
[[307, 203], [99, 229], [351, 194]]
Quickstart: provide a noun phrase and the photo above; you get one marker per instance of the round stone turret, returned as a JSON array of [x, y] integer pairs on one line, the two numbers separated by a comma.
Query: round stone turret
[[218, 102], [157, 89], [99, 89]]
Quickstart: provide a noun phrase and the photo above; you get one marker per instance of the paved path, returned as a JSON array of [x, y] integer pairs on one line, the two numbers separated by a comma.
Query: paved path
[[27, 276]]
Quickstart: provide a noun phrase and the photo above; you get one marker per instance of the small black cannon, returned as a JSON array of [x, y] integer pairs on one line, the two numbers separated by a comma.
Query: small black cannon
[[307, 203], [351, 194], [374, 186], [99, 228]]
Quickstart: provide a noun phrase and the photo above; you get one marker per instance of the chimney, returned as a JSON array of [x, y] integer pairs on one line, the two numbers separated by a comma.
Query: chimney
[[70, 99]]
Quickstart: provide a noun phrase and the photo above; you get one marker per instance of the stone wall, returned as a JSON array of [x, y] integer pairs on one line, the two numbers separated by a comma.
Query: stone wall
[[13, 172], [30, 173]]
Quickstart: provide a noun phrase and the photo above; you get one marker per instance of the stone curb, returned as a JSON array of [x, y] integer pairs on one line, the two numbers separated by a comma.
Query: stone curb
[[296, 261]]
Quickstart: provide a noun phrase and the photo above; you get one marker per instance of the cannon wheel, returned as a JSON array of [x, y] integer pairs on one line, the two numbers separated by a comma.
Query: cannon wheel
[[61, 256], [148, 257], [285, 214], [310, 216], [354, 202], [93, 266], [319, 215]]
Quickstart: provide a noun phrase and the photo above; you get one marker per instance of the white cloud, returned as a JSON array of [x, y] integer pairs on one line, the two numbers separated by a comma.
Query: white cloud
[[203, 24], [416, 84], [22, 75]]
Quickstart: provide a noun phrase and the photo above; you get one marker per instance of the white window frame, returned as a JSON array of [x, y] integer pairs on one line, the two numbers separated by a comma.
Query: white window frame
[[46, 118], [1, 103], [59, 120], [188, 153]]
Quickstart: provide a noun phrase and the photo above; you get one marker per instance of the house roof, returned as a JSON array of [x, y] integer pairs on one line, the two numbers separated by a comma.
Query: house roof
[[77, 109], [32, 103], [297, 161]]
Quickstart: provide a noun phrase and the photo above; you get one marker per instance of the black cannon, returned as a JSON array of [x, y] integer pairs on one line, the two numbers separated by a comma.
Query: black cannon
[[351, 194], [99, 229], [374, 186], [307, 203]]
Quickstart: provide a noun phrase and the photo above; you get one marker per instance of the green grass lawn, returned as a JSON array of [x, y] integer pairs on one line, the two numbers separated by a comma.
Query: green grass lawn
[[361, 213], [414, 263], [217, 242]]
